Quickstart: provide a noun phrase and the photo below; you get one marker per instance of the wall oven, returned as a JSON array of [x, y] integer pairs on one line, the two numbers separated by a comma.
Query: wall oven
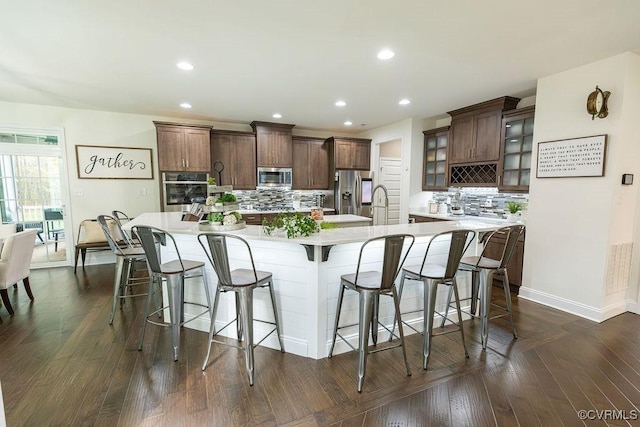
[[180, 190], [274, 178]]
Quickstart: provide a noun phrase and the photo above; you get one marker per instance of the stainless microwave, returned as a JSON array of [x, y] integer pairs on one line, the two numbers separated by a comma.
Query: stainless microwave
[[274, 178]]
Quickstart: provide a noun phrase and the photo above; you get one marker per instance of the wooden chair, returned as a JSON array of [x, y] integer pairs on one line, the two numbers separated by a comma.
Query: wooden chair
[[92, 238]]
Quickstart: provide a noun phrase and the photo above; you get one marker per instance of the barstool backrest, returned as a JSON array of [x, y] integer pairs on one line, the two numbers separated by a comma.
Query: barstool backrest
[[392, 259], [110, 224], [149, 237], [512, 232], [460, 241], [216, 250]]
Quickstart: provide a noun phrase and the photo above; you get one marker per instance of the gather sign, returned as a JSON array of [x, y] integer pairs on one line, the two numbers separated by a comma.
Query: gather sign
[[100, 162]]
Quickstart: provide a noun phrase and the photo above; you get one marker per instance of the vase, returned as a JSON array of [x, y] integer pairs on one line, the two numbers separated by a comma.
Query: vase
[[512, 217]]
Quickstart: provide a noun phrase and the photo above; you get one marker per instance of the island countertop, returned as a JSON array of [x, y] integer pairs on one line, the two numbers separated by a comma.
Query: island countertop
[[170, 222]]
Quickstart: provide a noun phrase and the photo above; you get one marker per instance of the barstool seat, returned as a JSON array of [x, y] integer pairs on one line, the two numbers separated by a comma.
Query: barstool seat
[[483, 270], [432, 274], [127, 255], [174, 272], [242, 282], [370, 285]]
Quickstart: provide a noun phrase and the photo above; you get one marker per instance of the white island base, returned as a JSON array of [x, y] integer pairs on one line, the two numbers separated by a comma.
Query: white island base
[[306, 275]]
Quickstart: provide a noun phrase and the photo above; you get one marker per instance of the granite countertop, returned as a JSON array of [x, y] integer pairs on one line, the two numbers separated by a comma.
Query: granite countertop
[[170, 221]]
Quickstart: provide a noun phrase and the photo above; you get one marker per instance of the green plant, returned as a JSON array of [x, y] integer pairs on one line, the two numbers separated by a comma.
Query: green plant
[[293, 223], [215, 217], [514, 207], [328, 225], [211, 181], [227, 198]]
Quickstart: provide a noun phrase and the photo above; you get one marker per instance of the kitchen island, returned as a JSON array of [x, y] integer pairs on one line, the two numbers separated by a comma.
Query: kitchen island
[[306, 273]]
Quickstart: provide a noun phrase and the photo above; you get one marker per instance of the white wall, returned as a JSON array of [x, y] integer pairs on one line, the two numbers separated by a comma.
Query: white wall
[[572, 222]]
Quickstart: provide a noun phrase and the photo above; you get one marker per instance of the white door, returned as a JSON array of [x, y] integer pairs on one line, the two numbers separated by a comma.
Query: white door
[[389, 175], [33, 190]]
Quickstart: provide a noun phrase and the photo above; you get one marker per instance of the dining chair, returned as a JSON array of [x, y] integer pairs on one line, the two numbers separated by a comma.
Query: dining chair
[[15, 263], [370, 284]]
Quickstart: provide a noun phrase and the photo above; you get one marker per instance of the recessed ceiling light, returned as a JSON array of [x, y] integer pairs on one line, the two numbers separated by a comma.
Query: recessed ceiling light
[[386, 54], [348, 123], [340, 103], [185, 105], [404, 102], [184, 66], [277, 116]]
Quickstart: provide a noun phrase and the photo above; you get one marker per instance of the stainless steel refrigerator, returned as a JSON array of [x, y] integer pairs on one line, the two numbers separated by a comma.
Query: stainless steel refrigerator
[[352, 192]]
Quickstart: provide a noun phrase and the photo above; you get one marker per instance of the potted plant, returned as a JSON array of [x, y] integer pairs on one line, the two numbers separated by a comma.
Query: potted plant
[[226, 199], [293, 223], [215, 218], [514, 208]]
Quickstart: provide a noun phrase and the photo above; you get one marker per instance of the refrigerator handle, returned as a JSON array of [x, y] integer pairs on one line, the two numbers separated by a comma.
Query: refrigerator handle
[[358, 195]]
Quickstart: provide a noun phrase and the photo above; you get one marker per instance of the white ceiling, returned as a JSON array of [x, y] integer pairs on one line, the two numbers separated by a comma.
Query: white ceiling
[[297, 57]]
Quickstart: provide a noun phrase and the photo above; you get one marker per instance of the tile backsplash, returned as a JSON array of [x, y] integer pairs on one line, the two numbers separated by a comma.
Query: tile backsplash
[[282, 199], [482, 201]]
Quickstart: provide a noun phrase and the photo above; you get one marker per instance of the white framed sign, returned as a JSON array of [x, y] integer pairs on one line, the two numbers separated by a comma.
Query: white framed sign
[[577, 157], [99, 162]]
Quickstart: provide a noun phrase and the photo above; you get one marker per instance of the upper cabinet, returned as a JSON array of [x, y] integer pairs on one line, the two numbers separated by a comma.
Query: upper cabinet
[[434, 168], [274, 144], [351, 153], [310, 163], [516, 145], [237, 153], [475, 131], [183, 147]]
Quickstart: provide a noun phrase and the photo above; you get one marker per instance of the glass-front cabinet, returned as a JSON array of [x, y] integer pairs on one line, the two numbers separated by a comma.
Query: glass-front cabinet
[[434, 171], [515, 151]]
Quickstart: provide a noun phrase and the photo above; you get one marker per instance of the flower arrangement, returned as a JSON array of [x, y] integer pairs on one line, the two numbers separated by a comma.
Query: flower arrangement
[[514, 207]]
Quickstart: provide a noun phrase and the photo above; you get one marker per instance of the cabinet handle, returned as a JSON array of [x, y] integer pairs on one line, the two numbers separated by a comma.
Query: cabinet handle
[[183, 165], [187, 164]]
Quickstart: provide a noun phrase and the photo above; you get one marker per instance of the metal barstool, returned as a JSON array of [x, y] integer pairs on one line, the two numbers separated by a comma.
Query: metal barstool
[[127, 254], [482, 270], [432, 274], [242, 282], [370, 285], [174, 272]]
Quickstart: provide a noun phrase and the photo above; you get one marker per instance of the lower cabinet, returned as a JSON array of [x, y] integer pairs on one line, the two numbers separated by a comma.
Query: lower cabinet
[[420, 218], [514, 268], [252, 219]]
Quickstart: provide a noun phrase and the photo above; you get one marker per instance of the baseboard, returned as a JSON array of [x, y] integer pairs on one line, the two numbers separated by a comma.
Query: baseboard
[[588, 312], [633, 306]]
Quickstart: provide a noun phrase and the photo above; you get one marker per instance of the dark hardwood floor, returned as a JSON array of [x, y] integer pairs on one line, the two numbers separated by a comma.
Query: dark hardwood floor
[[62, 364]]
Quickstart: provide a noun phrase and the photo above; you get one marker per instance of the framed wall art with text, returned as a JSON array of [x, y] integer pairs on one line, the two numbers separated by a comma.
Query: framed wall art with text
[[100, 162]]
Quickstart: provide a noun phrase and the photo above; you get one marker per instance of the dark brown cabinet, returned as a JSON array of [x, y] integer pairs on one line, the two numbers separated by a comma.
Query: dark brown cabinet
[[351, 153], [183, 147], [420, 218], [515, 151], [252, 219], [274, 144], [475, 131], [310, 163], [434, 168], [237, 152], [514, 268]]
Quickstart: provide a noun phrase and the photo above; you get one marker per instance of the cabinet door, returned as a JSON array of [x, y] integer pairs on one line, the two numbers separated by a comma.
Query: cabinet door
[[171, 148], [318, 164], [222, 151], [344, 154], [361, 155], [515, 151], [461, 143], [434, 168], [300, 179], [252, 219], [197, 150], [244, 162], [486, 140], [274, 148]]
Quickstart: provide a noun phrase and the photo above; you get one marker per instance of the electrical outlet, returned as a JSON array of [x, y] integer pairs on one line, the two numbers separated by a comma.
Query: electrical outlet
[[79, 193], [143, 192]]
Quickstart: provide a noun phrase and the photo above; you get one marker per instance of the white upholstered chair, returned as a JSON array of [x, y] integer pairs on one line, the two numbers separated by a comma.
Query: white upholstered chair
[[15, 263]]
